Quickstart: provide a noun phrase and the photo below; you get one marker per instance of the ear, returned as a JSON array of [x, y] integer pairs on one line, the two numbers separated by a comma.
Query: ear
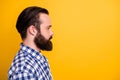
[[32, 30]]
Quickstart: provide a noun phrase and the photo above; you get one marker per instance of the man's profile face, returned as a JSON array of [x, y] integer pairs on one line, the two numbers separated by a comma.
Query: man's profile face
[[42, 39]]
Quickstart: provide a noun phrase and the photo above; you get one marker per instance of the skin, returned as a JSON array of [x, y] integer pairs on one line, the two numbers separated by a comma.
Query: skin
[[45, 29]]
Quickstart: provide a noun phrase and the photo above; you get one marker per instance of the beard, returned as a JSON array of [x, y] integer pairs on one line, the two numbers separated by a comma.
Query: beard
[[42, 43]]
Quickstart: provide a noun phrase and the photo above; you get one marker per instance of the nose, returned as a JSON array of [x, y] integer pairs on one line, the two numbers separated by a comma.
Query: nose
[[51, 33]]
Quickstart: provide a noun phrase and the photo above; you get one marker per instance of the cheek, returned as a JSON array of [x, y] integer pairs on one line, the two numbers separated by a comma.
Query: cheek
[[45, 33]]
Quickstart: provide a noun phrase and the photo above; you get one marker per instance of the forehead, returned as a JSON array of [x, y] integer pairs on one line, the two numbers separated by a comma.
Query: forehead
[[44, 19]]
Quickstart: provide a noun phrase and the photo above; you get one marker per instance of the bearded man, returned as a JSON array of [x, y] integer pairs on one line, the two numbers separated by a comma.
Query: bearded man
[[34, 26]]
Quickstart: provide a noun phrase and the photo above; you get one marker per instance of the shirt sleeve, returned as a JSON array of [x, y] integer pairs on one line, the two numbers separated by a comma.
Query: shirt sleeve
[[23, 76]]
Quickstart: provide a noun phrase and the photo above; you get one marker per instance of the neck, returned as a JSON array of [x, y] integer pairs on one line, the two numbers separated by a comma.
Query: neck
[[30, 44]]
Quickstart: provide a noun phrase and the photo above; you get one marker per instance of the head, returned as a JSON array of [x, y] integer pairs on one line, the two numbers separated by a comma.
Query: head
[[37, 20]]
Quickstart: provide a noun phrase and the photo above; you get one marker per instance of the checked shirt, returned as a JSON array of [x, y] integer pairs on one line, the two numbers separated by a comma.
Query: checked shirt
[[29, 64]]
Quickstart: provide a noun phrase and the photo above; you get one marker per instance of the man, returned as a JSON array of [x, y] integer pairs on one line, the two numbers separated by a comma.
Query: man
[[34, 26]]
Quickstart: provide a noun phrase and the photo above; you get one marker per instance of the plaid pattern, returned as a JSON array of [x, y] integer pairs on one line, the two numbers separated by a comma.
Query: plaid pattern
[[29, 64]]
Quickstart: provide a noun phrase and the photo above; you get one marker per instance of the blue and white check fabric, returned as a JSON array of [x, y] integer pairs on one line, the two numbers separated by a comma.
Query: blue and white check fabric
[[29, 64]]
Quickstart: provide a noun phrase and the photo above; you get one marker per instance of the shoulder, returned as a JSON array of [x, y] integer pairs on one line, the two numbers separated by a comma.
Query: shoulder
[[21, 64], [22, 70]]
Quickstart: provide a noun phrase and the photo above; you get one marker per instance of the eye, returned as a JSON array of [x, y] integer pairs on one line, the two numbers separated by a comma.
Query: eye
[[49, 27]]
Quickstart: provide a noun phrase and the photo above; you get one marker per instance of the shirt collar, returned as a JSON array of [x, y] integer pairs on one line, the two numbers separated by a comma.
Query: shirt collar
[[31, 51]]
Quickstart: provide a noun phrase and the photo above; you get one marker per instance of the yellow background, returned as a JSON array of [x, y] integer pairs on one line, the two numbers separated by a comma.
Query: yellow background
[[86, 37]]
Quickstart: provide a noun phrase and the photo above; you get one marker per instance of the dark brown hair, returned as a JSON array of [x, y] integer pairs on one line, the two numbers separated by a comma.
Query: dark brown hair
[[29, 16]]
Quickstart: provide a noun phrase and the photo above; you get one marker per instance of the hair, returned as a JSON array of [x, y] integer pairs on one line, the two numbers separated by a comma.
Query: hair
[[29, 16]]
